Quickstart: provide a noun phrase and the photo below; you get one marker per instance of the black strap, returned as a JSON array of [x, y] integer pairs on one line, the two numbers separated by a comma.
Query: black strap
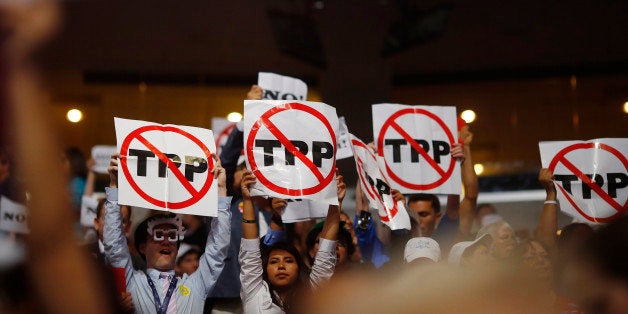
[[162, 307]]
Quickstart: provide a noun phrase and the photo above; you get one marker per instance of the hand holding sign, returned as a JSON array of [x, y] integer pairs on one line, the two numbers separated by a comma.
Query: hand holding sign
[[377, 189], [591, 176], [166, 167], [291, 148], [414, 145]]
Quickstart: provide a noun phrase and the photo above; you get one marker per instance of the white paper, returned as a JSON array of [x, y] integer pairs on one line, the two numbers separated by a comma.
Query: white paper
[[308, 127], [13, 216], [402, 131], [186, 187], [280, 87], [602, 163]]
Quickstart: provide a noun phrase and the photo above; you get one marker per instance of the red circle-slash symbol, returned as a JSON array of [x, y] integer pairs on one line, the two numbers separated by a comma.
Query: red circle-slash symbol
[[264, 121], [560, 158], [195, 195], [391, 123], [370, 189]]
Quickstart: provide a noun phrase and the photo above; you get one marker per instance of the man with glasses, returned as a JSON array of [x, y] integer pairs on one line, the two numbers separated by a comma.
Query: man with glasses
[[157, 240]]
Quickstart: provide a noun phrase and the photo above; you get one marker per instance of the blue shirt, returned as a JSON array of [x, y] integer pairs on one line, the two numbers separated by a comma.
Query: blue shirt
[[191, 290]]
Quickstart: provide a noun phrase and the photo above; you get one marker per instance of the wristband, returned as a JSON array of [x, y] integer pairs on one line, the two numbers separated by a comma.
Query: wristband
[[551, 202], [247, 221]]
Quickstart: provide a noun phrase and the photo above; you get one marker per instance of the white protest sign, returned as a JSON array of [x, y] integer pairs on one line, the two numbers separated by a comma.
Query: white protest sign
[[89, 204], [591, 177], [102, 155], [290, 147], [376, 187], [279, 87], [13, 216], [221, 127], [166, 167], [344, 141], [414, 147], [303, 210]]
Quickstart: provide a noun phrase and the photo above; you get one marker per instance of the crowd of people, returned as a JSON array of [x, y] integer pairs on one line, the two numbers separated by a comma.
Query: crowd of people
[[457, 257], [248, 260]]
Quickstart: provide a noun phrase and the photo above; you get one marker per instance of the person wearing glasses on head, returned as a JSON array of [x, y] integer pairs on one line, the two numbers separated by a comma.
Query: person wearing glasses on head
[[157, 239]]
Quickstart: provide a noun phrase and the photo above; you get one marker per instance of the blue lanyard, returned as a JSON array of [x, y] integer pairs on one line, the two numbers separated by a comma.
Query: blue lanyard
[[162, 307]]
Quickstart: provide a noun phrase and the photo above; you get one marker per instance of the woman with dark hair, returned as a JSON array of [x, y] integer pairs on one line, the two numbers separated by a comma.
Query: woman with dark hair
[[270, 280]]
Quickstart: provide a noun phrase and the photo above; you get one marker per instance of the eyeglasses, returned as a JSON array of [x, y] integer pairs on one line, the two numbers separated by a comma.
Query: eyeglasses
[[161, 234]]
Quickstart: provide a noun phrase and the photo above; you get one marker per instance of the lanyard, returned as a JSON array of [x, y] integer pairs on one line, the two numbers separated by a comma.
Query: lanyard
[[162, 307]]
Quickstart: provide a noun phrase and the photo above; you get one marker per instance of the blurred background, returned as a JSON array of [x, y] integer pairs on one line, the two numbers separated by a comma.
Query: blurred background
[[529, 70]]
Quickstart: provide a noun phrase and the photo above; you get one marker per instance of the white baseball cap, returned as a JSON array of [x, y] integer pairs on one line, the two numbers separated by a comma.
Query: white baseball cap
[[456, 252], [422, 247]]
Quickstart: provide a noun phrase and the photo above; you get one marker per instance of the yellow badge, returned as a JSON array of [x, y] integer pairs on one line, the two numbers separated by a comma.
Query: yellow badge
[[185, 291]]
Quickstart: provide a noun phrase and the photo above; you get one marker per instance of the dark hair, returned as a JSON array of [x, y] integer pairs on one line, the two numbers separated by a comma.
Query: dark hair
[[607, 250], [78, 167], [302, 275], [192, 250], [426, 197], [344, 237], [487, 205]]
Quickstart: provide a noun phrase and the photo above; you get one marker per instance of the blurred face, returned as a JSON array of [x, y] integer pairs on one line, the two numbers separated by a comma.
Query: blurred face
[[538, 261], [160, 255], [428, 218], [479, 256], [503, 242], [342, 255], [99, 223], [282, 269], [188, 264], [596, 292]]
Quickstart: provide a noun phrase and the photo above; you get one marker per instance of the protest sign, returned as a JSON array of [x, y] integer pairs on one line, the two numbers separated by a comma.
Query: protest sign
[[102, 155], [414, 147], [290, 147], [344, 141], [221, 127], [13, 216], [280, 87], [591, 177], [303, 210], [89, 204], [376, 187], [166, 167]]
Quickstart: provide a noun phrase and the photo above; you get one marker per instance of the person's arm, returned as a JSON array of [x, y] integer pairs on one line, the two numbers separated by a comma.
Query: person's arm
[[116, 248], [250, 257], [453, 200], [471, 188], [548, 222], [212, 261], [325, 259]]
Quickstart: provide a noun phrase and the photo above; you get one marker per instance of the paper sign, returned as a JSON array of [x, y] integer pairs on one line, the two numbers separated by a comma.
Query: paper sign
[[303, 210], [89, 204], [414, 147], [13, 216], [166, 167], [279, 87], [102, 156], [221, 127], [344, 141], [290, 147], [377, 188], [591, 177]]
